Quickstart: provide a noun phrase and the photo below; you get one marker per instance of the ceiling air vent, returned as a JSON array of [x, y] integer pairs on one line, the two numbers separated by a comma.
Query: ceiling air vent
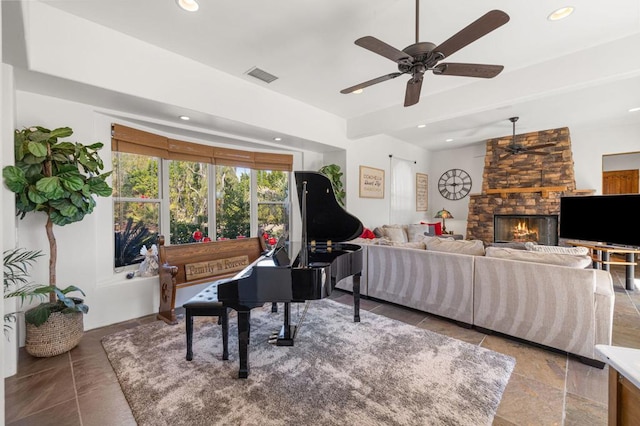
[[261, 75]]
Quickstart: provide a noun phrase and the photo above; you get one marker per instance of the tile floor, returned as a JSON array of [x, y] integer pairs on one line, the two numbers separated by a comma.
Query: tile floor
[[546, 388]]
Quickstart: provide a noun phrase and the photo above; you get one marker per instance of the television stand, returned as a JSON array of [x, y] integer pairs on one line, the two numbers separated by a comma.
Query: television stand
[[601, 256]]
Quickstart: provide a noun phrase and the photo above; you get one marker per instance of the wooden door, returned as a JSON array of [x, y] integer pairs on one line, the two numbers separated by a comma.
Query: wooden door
[[620, 182]]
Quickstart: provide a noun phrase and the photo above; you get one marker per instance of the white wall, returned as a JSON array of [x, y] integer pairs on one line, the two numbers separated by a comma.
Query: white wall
[[469, 159], [374, 152], [626, 161]]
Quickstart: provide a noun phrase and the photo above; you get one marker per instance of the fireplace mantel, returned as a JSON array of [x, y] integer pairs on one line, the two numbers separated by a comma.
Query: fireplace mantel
[[544, 190]]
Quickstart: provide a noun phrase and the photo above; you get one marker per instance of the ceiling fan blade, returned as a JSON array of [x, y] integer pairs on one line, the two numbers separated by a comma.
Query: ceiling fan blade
[[383, 49], [412, 94], [472, 32], [544, 145], [468, 70], [371, 82]]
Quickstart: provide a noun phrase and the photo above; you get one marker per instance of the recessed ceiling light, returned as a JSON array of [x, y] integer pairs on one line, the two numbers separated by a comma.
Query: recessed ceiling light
[[185, 118], [561, 13], [277, 139], [188, 5], [357, 91], [634, 109], [421, 126], [448, 140]]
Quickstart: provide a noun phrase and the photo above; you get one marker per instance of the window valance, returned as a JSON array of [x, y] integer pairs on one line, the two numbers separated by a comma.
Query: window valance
[[134, 141]]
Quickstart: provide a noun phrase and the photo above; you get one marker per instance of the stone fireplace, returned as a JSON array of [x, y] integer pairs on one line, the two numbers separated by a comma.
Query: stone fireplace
[[536, 228], [523, 184]]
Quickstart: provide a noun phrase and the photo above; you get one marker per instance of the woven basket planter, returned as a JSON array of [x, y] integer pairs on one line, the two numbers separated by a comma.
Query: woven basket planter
[[59, 334]]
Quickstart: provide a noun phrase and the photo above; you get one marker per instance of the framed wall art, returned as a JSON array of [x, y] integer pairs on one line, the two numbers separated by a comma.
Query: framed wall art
[[371, 182], [422, 192]]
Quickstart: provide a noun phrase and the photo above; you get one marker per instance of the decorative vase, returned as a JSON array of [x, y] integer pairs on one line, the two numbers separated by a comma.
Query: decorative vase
[[59, 334]]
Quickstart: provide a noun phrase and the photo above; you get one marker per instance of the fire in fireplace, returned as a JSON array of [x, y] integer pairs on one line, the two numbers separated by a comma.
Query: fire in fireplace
[[540, 229]]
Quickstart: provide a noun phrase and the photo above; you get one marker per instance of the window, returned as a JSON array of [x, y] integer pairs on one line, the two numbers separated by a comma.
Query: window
[[191, 193], [136, 205], [188, 201], [272, 188], [233, 210]]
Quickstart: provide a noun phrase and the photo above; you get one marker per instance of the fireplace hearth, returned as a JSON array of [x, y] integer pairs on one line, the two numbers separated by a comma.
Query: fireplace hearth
[[538, 228]]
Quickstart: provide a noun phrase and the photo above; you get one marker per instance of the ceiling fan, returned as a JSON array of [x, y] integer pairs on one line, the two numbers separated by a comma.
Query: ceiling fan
[[515, 148], [420, 57]]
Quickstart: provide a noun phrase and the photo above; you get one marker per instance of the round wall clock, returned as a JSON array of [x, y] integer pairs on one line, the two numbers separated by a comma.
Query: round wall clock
[[454, 184]]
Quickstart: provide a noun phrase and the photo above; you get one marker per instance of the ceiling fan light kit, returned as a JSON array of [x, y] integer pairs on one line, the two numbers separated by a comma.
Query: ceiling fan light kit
[[421, 57]]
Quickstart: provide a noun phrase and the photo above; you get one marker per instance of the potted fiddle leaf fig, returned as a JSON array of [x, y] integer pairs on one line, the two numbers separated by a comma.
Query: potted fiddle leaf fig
[[332, 171], [59, 179]]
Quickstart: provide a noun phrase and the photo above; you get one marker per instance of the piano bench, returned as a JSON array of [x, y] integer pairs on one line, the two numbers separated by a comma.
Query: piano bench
[[203, 304]]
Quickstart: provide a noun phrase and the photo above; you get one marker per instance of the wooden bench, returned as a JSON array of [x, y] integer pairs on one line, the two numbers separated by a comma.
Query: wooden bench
[[191, 264]]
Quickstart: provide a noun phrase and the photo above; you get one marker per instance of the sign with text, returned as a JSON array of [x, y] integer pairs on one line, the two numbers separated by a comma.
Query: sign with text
[[215, 267], [371, 182], [422, 192]]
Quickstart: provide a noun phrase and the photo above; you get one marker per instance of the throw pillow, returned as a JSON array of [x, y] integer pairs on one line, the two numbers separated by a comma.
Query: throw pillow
[[472, 247], [571, 260], [415, 232], [580, 251], [367, 233], [395, 233]]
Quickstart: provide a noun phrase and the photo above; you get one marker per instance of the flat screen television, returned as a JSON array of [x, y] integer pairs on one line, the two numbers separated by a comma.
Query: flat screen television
[[609, 219]]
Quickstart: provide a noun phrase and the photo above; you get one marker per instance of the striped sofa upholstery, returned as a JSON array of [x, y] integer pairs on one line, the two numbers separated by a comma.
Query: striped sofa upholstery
[[566, 308], [570, 309], [434, 282]]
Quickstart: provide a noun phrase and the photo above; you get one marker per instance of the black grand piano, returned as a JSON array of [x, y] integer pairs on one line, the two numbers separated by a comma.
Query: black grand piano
[[294, 272]]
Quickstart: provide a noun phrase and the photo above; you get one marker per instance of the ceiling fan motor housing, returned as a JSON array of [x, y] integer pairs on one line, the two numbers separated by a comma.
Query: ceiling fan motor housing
[[423, 56]]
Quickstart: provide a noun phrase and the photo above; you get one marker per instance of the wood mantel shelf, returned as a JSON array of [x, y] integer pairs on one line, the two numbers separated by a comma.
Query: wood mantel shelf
[[544, 190]]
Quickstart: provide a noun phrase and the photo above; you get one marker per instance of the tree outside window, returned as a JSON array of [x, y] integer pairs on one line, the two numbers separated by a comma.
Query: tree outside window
[[233, 202], [188, 200], [273, 204]]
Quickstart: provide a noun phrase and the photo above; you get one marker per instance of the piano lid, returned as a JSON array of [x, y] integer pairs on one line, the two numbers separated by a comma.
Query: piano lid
[[326, 219]]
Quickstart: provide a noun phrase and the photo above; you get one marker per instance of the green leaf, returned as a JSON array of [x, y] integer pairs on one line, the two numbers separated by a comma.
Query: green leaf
[[65, 207], [99, 187], [36, 196], [77, 199], [50, 187], [72, 183], [14, 178], [96, 146], [38, 149], [58, 219], [38, 315], [61, 132], [32, 159]]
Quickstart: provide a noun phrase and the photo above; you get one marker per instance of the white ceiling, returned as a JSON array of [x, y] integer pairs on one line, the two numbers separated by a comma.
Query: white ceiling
[[582, 70]]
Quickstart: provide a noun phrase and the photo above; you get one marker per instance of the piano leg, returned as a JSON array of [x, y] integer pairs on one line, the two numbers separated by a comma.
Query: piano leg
[[356, 297], [285, 338], [244, 319], [274, 307]]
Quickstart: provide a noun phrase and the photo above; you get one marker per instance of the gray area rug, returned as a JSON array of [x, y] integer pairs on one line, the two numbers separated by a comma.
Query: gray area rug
[[376, 372]]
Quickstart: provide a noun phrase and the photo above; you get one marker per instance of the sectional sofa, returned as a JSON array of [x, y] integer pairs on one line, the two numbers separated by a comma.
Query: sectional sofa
[[553, 299]]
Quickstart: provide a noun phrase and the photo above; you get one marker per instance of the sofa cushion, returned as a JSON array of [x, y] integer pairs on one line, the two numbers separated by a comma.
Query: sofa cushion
[[472, 247], [581, 251], [571, 260], [395, 233], [415, 232]]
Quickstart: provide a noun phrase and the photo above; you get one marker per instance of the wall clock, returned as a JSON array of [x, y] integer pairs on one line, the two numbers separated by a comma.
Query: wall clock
[[454, 184]]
